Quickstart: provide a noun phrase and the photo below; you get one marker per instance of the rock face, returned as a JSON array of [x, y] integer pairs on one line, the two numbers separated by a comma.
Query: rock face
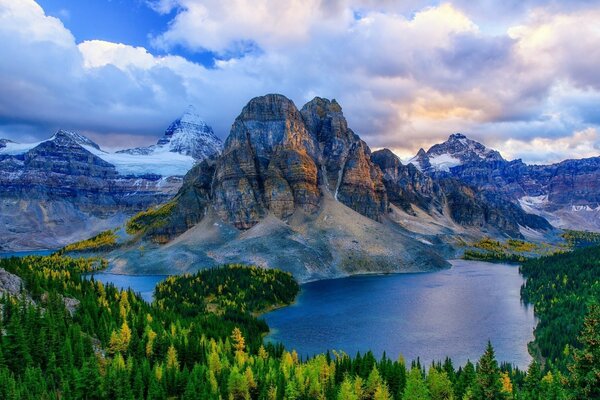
[[276, 158], [67, 188], [267, 164], [567, 193], [10, 284]]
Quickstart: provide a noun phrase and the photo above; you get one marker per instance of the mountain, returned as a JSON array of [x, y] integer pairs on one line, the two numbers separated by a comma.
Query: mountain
[[567, 193], [67, 188], [188, 135], [457, 150], [299, 190]]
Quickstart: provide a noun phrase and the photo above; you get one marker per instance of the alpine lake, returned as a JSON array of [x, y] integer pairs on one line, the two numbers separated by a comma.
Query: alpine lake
[[448, 313]]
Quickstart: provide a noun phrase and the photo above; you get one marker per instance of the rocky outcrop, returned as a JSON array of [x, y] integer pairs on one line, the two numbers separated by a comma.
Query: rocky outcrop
[[267, 164], [276, 160], [10, 284], [406, 185]]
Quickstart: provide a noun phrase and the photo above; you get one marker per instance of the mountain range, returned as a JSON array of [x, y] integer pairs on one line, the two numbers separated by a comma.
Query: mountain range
[[290, 188], [67, 188], [297, 189]]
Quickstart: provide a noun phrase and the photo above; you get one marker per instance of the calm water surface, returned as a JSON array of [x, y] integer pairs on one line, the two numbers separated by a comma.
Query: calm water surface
[[26, 253], [431, 315], [142, 284]]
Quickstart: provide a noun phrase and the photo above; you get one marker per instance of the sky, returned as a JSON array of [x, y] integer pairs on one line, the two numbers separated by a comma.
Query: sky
[[521, 76]]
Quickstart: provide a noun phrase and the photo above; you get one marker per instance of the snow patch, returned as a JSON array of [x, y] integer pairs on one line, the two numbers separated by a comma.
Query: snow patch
[[160, 162], [444, 162], [586, 207], [14, 149], [415, 161]]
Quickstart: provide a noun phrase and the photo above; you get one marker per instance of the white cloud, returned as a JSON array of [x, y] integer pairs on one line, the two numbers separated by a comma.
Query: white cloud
[[580, 144]]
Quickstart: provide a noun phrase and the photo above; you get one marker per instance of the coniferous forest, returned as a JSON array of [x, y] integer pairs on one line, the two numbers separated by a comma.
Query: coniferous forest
[[67, 336]]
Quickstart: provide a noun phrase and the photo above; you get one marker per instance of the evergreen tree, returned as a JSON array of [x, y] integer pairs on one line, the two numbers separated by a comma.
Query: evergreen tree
[[488, 383], [440, 387], [585, 369], [416, 389]]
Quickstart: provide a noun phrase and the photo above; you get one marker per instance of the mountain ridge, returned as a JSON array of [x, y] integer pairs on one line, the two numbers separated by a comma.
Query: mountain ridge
[[299, 189], [66, 188], [566, 193]]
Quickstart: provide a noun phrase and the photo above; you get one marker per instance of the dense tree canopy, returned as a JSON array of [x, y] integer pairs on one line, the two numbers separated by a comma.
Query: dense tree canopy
[[70, 337]]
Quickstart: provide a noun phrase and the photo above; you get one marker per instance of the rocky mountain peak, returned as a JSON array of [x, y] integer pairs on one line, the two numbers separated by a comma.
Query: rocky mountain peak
[[270, 107], [63, 136], [455, 151], [386, 159], [456, 136], [188, 135], [191, 136], [3, 142]]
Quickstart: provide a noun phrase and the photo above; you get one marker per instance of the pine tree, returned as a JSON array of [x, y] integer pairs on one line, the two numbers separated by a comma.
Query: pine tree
[[416, 389], [440, 387], [585, 369], [465, 380], [488, 384]]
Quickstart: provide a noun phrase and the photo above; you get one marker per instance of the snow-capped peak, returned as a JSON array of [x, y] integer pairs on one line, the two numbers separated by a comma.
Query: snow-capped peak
[[457, 150], [9, 147], [75, 137], [188, 135]]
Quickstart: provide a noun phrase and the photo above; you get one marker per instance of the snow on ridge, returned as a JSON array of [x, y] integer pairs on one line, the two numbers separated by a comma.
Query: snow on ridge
[[533, 204], [443, 162], [163, 163], [415, 161], [13, 148]]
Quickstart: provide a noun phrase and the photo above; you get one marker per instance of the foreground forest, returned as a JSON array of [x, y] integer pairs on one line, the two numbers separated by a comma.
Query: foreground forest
[[69, 337]]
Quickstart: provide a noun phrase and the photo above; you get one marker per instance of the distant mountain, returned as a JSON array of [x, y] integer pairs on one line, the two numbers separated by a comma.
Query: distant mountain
[[188, 135], [566, 193], [299, 190], [457, 150], [66, 188]]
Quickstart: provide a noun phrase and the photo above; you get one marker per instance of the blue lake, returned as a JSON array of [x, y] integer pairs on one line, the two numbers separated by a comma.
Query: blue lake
[[431, 315], [142, 284], [26, 253]]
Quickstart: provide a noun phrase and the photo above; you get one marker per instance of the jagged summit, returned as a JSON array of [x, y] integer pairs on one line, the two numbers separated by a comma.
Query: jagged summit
[[188, 135], [457, 150], [61, 137], [78, 138]]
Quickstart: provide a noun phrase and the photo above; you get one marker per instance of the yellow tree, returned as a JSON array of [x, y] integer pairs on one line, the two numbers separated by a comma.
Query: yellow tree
[[172, 362]]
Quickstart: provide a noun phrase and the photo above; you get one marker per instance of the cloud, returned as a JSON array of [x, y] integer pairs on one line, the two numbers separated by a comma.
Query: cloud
[[406, 73], [580, 144]]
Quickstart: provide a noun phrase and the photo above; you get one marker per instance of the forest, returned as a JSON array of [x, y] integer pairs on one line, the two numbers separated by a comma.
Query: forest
[[202, 338]]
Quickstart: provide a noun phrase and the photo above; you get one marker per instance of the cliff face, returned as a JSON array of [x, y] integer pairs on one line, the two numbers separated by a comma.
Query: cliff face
[[267, 164], [277, 160]]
